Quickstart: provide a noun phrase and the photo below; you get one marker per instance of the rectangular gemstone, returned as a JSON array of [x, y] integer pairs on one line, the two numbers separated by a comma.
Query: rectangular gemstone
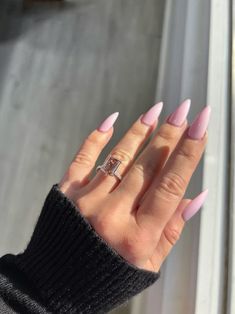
[[111, 165]]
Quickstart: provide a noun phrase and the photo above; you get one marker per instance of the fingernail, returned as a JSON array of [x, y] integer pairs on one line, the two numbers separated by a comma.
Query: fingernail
[[193, 207], [180, 114], [200, 123], [152, 114], [108, 122]]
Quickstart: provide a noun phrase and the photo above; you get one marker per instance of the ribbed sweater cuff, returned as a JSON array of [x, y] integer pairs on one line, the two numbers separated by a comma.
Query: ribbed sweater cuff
[[72, 266]]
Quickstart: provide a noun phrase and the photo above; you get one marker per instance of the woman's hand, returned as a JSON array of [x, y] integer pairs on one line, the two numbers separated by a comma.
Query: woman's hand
[[143, 215]]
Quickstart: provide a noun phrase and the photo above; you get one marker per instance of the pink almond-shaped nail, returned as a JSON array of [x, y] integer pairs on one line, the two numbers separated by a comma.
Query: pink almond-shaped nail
[[108, 122], [152, 114], [200, 123], [179, 115], [193, 207]]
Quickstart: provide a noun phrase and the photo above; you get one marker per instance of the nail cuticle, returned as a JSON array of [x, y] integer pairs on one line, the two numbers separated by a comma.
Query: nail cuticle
[[152, 115], [199, 125], [194, 206], [178, 117], [106, 125]]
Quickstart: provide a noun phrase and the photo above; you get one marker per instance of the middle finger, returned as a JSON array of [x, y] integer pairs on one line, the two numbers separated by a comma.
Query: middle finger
[[154, 156]]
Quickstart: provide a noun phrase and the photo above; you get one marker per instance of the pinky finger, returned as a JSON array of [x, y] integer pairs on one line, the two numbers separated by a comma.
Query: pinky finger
[[173, 229]]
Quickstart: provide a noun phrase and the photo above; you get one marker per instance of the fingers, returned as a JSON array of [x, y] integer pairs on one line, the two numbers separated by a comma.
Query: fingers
[[167, 190], [170, 235], [186, 210], [78, 172], [153, 157], [126, 150]]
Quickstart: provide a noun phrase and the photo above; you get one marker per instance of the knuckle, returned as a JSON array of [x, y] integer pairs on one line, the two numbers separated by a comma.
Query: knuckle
[[129, 245], [122, 155], [82, 206], [171, 234], [166, 133], [92, 139], [188, 153], [134, 245], [137, 131], [101, 225], [84, 158], [146, 169], [172, 185]]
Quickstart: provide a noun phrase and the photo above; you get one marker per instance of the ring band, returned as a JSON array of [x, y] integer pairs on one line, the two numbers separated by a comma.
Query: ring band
[[110, 167]]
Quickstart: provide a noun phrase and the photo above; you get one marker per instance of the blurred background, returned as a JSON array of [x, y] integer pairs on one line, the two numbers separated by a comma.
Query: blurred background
[[66, 65]]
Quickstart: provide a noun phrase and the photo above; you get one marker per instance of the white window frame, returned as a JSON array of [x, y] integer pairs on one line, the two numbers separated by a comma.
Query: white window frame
[[231, 253], [195, 63]]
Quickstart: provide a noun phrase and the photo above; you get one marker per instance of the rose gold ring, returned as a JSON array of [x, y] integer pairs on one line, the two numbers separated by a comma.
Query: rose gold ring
[[110, 166]]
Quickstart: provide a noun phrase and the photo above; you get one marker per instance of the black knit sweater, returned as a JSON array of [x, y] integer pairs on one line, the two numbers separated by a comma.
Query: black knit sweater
[[67, 267]]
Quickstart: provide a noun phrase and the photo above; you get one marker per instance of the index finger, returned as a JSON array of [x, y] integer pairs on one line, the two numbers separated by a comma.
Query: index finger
[[167, 189]]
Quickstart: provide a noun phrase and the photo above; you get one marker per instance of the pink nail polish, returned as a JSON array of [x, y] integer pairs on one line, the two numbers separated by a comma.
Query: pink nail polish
[[200, 123], [152, 114], [192, 208], [108, 122], [179, 115]]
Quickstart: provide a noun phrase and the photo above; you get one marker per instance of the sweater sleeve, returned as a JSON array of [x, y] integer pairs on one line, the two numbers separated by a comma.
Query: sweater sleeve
[[67, 267]]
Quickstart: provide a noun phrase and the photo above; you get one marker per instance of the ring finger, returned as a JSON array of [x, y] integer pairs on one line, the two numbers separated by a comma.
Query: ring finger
[[154, 156]]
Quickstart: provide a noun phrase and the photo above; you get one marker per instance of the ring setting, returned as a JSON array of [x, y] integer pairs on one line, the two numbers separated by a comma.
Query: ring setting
[[110, 166]]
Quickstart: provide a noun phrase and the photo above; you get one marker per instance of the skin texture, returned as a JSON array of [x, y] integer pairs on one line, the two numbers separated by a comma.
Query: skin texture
[[141, 216]]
